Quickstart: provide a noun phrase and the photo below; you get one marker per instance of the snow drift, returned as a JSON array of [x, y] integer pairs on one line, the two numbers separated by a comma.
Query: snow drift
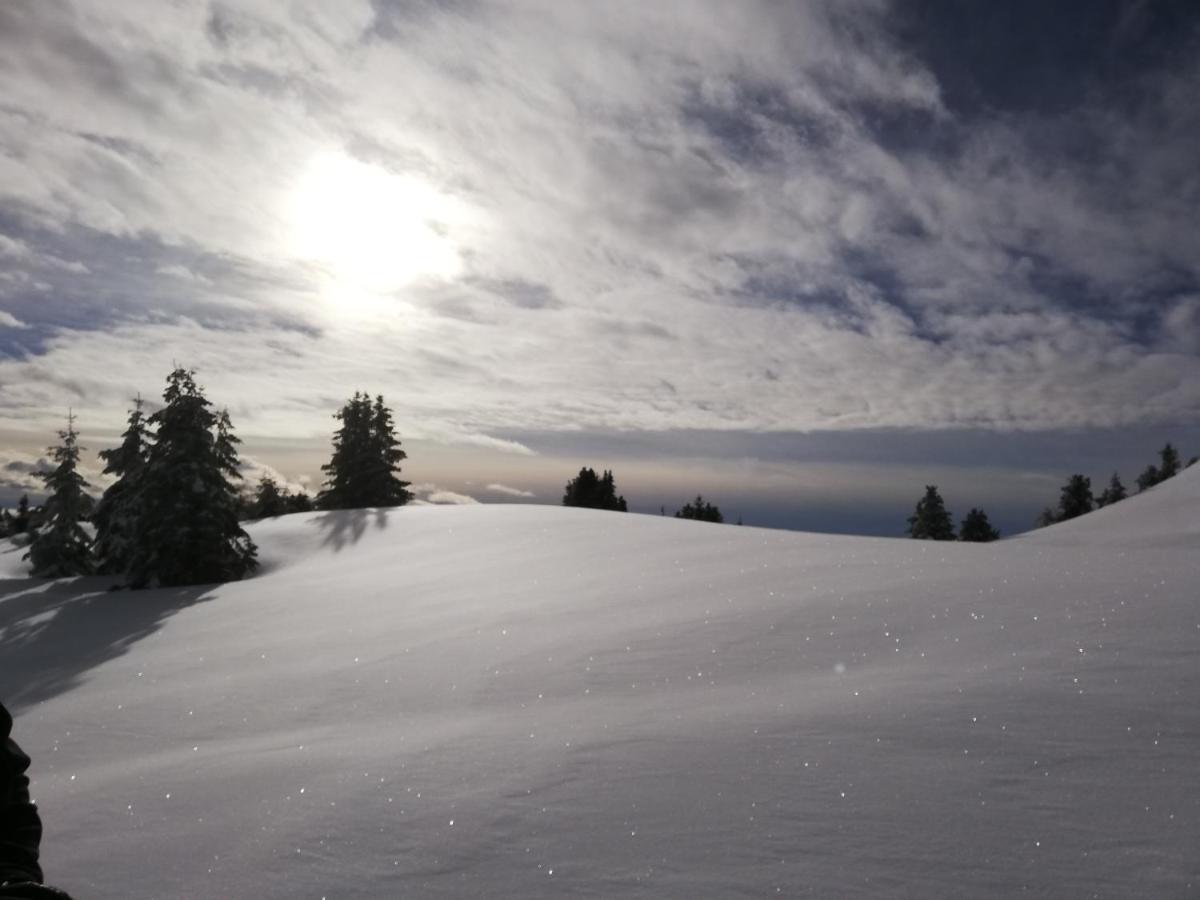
[[516, 701]]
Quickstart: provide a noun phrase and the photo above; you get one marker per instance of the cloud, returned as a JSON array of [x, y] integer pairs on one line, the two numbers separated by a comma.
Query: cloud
[[508, 491], [752, 217], [8, 320], [432, 495]]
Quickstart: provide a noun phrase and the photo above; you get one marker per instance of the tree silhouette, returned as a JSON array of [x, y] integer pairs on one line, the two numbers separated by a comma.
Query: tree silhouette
[[1076, 499], [701, 510], [931, 521], [594, 492], [117, 512], [1114, 493], [60, 546], [187, 531], [976, 528], [362, 472]]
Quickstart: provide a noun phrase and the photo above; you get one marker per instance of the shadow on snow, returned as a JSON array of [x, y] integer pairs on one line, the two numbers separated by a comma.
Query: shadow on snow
[[52, 632], [346, 526]]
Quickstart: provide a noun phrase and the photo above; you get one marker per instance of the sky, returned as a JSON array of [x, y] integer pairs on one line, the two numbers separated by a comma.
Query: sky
[[804, 258]]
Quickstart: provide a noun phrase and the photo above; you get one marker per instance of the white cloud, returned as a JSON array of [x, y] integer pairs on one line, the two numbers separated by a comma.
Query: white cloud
[[663, 218], [8, 320], [496, 488], [432, 495]]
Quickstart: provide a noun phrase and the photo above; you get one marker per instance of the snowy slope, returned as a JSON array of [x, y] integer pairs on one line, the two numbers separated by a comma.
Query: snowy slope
[[518, 701]]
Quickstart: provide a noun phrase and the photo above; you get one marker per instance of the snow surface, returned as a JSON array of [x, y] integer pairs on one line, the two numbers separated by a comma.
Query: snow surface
[[518, 701]]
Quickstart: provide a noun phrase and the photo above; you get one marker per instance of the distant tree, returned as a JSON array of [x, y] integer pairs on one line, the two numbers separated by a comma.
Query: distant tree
[[976, 528], [117, 512], [187, 531], [1076, 498], [5, 523], [20, 522], [1191, 462], [268, 500], [700, 509], [931, 521], [594, 492], [366, 459], [1168, 466], [298, 502], [61, 547], [1046, 517], [1149, 478], [1114, 493]]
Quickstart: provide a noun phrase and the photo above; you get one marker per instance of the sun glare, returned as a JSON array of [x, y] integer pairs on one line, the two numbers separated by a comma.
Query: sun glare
[[374, 231]]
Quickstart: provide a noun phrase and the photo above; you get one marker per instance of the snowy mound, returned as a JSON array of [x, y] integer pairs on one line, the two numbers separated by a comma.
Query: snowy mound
[[518, 701]]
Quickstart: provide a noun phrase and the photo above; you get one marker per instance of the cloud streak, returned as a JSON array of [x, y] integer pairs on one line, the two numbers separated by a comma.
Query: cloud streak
[[660, 216]]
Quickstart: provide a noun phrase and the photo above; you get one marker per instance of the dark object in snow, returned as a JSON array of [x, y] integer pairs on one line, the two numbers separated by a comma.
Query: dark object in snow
[[1076, 499], [20, 826]]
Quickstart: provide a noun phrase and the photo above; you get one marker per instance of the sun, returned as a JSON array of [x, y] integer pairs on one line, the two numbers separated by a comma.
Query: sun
[[372, 230]]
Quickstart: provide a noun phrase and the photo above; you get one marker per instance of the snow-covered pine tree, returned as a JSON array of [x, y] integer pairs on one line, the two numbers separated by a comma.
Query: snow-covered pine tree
[[362, 471], [931, 521], [187, 531], [61, 547], [116, 514]]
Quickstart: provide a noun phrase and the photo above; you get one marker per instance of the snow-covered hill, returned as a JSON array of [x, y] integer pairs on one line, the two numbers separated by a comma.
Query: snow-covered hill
[[517, 701]]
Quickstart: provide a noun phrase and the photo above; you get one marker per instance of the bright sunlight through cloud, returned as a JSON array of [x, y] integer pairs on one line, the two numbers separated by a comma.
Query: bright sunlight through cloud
[[374, 231]]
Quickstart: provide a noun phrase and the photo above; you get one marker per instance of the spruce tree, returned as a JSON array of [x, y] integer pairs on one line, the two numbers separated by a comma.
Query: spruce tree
[[1169, 463], [117, 512], [60, 546], [362, 471], [1076, 499], [701, 510], [931, 521], [20, 522], [589, 490], [1149, 478], [268, 501], [1114, 493], [976, 528], [187, 531]]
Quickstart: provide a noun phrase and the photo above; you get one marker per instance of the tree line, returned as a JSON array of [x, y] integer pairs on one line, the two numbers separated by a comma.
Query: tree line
[[171, 515], [932, 521]]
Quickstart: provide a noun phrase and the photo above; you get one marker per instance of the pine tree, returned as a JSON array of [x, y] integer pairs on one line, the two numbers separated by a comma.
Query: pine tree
[[931, 521], [1046, 517], [1148, 479], [187, 531], [117, 512], [362, 472], [976, 528], [1114, 493], [594, 492], [268, 501], [701, 510], [60, 546], [1169, 463], [20, 522], [1076, 499]]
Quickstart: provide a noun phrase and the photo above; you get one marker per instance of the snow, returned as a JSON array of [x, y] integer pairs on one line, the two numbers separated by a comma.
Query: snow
[[524, 701]]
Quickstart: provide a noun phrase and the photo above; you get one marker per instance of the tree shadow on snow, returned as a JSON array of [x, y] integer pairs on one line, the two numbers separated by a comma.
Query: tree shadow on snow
[[346, 526], [53, 632]]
